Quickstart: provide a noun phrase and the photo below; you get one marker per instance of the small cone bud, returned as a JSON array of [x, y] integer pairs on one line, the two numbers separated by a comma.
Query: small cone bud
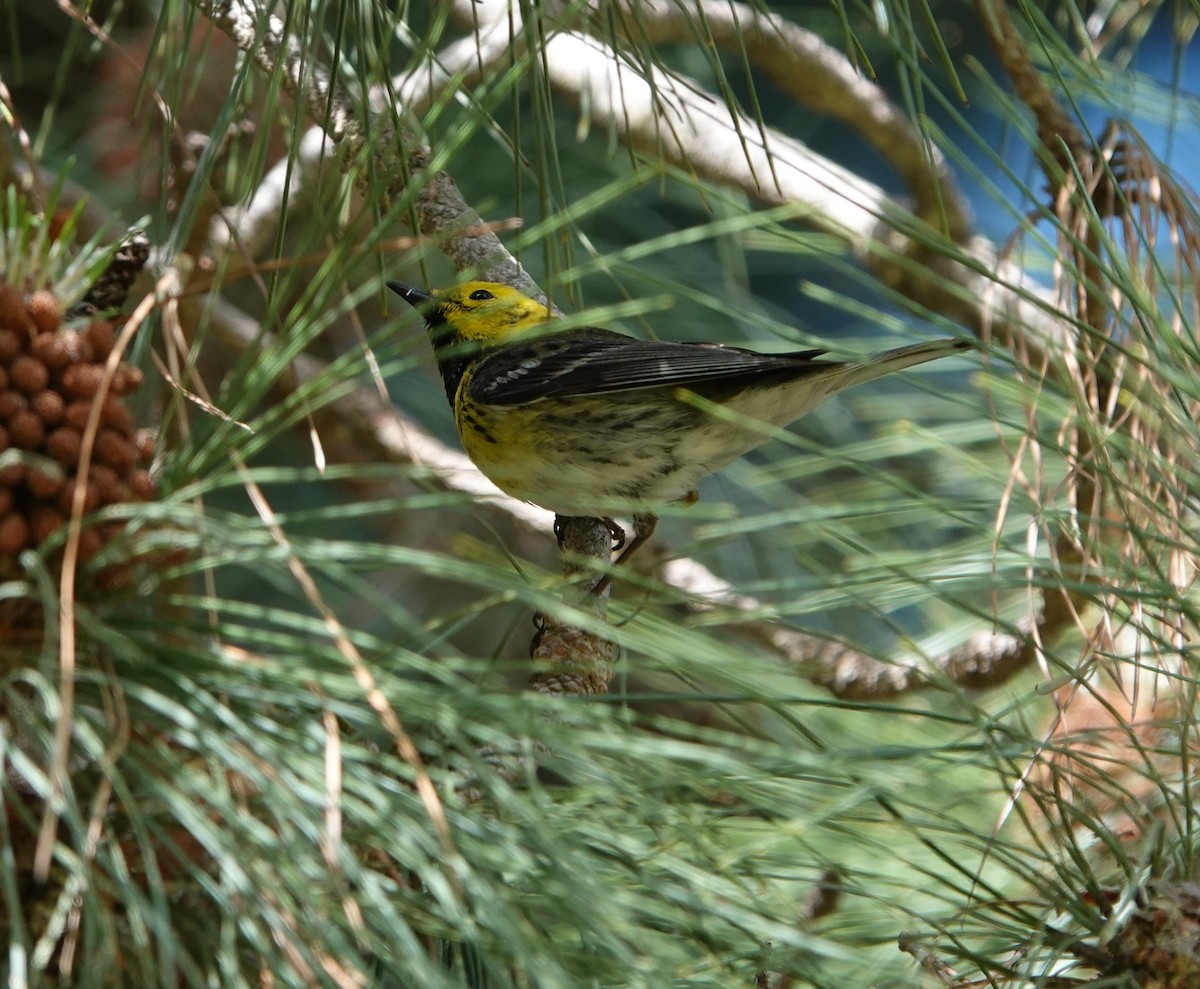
[[49, 407], [43, 485], [28, 375], [14, 534], [51, 349], [11, 402], [63, 445], [101, 337], [11, 306], [82, 380], [45, 311], [25, 430], [115, 450], [76, 415], [142, 485], [127, 379], [66, 498], [45, 522], [10, 346], [117, 416]]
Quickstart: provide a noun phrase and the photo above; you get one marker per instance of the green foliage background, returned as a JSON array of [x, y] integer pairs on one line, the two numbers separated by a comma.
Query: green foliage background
[[236, 809]]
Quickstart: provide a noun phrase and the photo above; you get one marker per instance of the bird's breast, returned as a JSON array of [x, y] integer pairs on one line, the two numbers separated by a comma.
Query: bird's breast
[[587, 455]]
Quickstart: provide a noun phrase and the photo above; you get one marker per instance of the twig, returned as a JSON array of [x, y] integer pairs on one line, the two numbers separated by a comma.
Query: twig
[[1062, 139]]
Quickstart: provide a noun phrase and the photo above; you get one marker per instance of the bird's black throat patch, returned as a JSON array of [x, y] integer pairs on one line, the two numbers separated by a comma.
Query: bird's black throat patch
[[448, 350]]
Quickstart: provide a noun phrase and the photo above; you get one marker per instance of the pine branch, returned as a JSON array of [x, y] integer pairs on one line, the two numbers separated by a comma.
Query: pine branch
[[816, 76]]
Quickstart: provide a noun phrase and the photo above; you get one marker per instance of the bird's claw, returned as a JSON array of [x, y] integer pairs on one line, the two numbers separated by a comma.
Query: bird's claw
[[616, 532]]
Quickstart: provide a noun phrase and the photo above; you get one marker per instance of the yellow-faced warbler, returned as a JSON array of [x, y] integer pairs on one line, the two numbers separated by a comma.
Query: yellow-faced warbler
[[585, 421]]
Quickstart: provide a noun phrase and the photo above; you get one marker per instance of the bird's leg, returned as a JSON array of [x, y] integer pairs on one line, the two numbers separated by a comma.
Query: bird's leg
[[617, 533], [643, 529], [644, 524]]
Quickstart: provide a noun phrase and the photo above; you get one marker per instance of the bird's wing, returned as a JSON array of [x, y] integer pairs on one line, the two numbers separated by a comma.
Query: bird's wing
[[595, 362]]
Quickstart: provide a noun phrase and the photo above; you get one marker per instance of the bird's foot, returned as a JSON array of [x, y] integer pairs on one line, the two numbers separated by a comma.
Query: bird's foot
[[643, 529], [616, 532]]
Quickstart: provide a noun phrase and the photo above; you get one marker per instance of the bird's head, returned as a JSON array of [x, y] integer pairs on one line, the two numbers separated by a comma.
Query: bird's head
[[479, 313]]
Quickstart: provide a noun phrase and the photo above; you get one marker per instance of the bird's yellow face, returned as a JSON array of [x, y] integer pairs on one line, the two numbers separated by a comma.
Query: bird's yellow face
[[488, 313]]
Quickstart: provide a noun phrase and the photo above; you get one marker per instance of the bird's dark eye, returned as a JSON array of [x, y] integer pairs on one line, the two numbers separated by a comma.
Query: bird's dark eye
[[480, 294]]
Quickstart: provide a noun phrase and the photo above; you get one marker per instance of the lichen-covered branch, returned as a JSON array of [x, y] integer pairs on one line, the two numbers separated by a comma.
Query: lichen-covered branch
[[815, 75], [440, 209]]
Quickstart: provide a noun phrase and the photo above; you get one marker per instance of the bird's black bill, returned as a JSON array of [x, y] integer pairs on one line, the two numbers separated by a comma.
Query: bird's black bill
[[413, 296]]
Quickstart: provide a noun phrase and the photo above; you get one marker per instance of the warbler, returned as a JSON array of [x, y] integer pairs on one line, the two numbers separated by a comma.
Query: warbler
[[588, 421]]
